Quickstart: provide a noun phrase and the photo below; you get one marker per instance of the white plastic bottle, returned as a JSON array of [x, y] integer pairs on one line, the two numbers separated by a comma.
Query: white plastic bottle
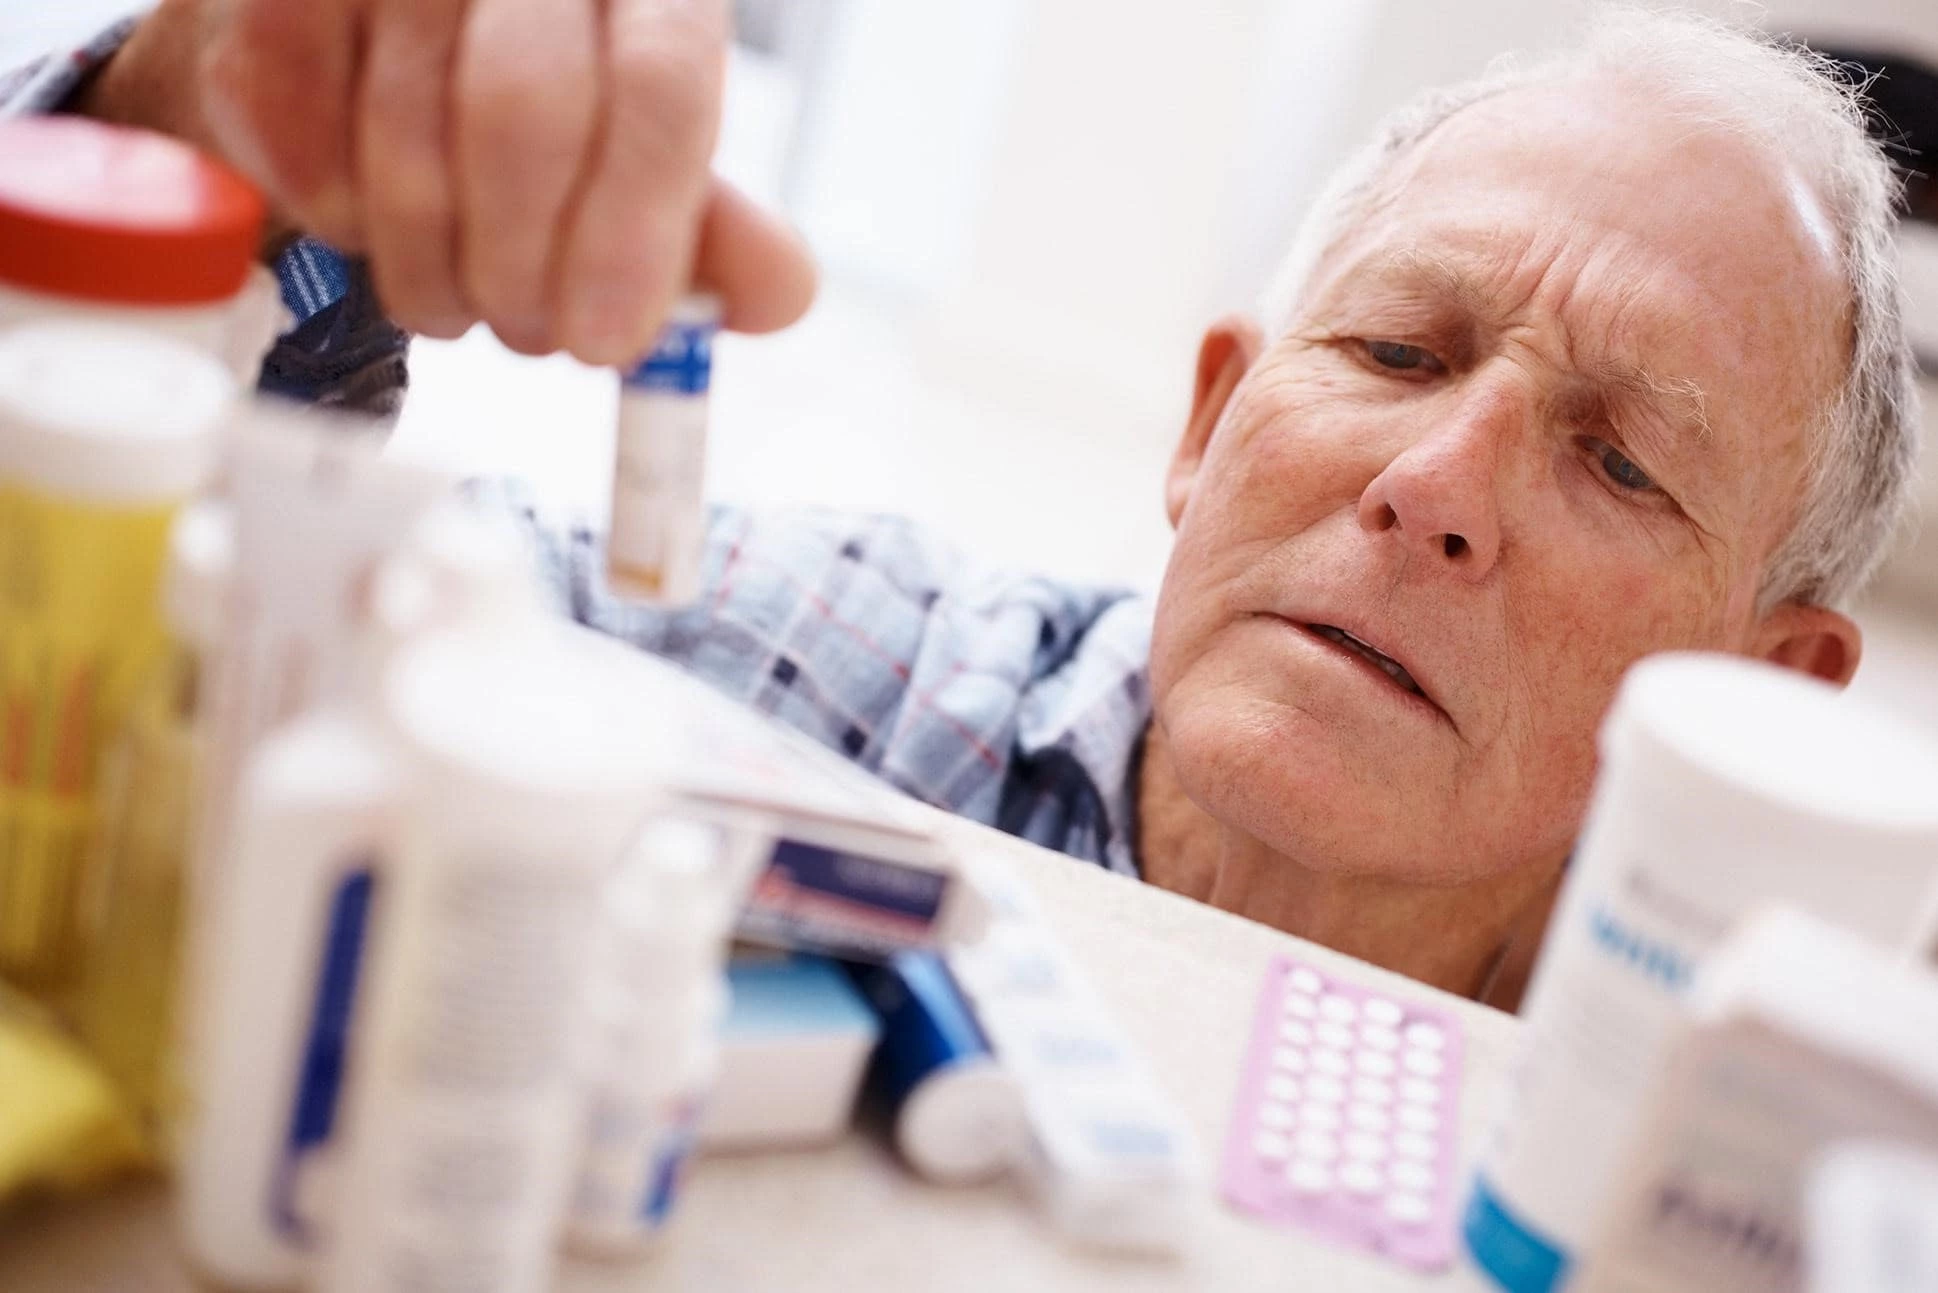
[[284, 959], [527, 759], [659, 998], [1798, 1038], [1725, 784]]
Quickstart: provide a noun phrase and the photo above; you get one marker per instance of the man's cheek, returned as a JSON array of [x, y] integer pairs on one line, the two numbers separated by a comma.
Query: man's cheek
[[1283, 486]]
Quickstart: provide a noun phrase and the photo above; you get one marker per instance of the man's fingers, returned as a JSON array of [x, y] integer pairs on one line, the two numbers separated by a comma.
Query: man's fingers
[[526, 92], [403, 174], [629, 246], [761, 269], [290, 133]]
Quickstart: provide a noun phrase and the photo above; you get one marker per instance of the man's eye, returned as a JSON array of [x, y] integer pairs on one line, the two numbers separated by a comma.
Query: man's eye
[[1394, 354], [1620, 469]]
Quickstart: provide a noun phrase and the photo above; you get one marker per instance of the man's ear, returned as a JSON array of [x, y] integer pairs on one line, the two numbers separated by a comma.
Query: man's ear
[[1810, 639], [1227, 351]]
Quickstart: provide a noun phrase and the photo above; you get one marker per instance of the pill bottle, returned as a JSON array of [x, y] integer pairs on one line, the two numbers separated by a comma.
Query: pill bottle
[[313, 835], [109, 223], [1799, 1037], [659, 992], [1725, 784], [105, 432], [658, 529], [956, 1113], [524, 762]]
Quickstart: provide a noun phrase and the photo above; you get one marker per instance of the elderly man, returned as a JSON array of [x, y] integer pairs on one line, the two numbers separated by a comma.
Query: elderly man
[[1579, 362]]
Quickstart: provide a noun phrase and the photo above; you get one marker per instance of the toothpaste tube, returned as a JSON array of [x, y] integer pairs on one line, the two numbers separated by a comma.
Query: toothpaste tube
[[957, 1115]]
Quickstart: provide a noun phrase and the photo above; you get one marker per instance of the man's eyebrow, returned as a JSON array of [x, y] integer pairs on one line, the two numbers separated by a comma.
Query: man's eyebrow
[[1435, 271], [1679, 400]]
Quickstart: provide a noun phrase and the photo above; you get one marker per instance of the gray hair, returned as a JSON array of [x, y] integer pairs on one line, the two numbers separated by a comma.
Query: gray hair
[[1863, 445]]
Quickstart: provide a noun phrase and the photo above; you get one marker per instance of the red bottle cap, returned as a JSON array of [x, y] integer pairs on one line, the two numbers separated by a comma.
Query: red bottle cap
[[124, 216]]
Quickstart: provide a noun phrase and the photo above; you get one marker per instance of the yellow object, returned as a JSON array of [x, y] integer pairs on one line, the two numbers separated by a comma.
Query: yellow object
[[62, 1124], [104, 432], [122, 1005], [80, 628]]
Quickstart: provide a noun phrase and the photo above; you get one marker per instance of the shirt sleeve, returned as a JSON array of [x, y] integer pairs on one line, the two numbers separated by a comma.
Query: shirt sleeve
[[871, 634], [343, 352], [48, 82]]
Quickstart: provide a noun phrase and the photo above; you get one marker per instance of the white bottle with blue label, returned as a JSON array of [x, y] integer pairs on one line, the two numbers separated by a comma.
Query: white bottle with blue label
[[1725, 784]]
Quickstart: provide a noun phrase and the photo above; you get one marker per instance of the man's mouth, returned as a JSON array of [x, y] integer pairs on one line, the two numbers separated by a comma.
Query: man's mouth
[[1384, 663]]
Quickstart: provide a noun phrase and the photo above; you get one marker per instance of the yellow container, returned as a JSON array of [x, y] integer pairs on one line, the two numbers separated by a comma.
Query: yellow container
[[104, 432]]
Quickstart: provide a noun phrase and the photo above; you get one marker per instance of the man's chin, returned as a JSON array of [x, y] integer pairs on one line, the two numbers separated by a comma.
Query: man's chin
[[1299, 789]]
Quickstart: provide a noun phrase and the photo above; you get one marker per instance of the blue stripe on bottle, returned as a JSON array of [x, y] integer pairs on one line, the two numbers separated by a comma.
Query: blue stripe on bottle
[[1510, 1251], [326, 1046]]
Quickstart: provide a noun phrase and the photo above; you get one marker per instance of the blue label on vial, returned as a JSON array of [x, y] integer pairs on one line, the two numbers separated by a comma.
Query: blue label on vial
[[1509, 1250], [319, 1081], [926, 1026], [682, 361]]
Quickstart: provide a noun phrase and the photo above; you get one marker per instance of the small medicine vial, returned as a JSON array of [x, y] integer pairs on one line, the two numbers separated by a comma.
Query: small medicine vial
[[658, 525]]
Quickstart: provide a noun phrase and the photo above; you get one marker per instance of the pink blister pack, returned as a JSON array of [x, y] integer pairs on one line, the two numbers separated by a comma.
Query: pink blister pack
[[1347, 1117]]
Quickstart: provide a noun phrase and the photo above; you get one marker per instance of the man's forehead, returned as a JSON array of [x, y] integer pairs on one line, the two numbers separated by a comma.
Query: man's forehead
[[1450, 276], [1565, 191]]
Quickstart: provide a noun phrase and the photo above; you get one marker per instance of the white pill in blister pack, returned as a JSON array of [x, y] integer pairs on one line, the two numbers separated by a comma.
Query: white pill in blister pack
[[1345, 1120]]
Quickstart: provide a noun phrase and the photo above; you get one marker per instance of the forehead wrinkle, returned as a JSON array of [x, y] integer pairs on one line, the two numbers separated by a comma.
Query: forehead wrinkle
[[1681, 401]]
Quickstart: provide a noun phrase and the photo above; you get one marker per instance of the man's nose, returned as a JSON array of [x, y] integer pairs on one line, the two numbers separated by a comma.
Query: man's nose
[[1440, 496]]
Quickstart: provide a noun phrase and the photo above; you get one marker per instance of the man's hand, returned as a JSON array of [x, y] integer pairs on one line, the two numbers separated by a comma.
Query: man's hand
[[541, 165]]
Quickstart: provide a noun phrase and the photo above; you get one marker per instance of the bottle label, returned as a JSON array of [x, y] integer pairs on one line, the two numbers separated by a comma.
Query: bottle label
[[319, 1081], [682, 361]]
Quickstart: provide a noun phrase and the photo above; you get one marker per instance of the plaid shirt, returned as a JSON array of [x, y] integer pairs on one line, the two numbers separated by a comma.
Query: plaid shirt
[[1015, 701]]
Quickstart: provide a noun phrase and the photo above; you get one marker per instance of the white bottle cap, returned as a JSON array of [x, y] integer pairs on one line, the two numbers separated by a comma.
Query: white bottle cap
[[537, 707], [1796, 746], [1840, 994], [963, 1123], [107, 413]]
